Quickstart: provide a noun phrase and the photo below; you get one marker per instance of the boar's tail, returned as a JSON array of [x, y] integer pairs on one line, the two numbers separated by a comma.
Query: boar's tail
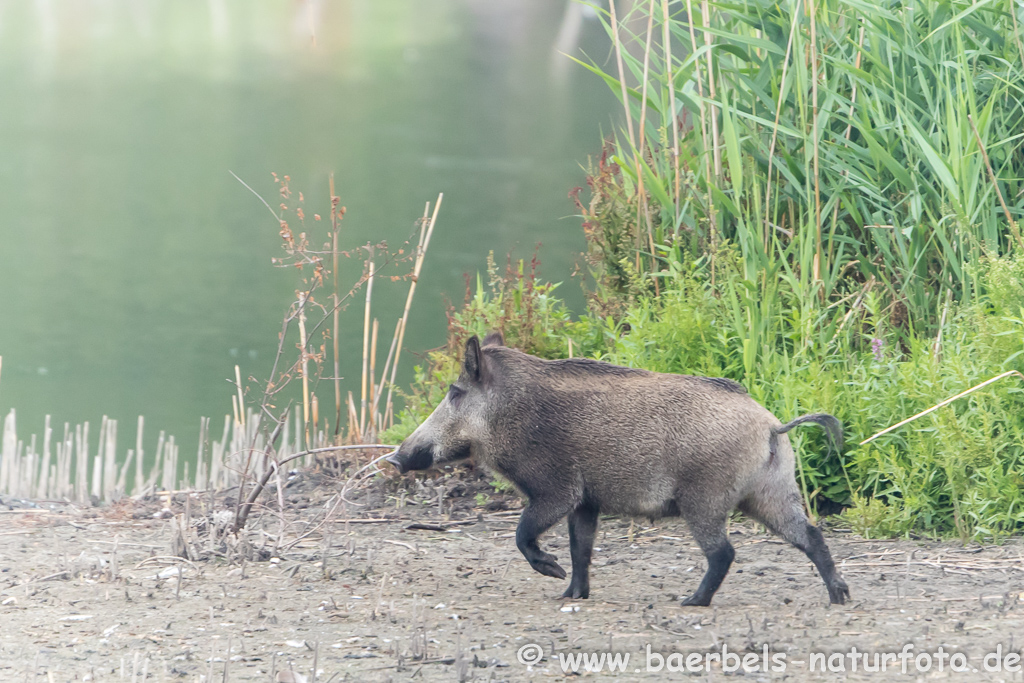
[[828, 422]]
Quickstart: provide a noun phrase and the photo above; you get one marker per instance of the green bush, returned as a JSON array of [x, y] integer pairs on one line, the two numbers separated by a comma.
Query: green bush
[[957, 471]]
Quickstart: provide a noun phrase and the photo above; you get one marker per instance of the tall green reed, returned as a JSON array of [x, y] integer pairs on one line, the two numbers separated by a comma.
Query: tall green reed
[[830, 141]]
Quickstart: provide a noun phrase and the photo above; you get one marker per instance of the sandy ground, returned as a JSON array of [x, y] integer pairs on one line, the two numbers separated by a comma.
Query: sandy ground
[[95, 595]]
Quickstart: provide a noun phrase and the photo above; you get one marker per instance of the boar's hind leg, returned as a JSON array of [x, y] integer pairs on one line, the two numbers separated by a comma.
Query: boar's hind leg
[[537, 518], [582, 525], [785, 516], [710, 533]]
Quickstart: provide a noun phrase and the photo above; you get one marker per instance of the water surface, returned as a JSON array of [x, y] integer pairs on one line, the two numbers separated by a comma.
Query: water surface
[[135, 271]]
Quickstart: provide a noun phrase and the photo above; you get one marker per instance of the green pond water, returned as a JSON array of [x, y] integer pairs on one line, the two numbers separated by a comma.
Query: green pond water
[[135, 271]]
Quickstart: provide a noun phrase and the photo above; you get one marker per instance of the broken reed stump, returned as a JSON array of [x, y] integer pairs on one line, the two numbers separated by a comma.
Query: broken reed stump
[[64, 468]]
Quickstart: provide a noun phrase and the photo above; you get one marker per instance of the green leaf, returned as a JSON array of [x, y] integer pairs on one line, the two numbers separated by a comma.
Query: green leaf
[[936, 163], [958, 17], [654, 185], [732, 149]]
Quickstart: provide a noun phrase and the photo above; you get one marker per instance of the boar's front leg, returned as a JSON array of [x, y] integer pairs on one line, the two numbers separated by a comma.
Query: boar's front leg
[[582, 526], [538, 517]]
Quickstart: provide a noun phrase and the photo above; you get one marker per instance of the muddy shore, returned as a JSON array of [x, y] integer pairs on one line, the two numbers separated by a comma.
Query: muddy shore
[[417, 589]]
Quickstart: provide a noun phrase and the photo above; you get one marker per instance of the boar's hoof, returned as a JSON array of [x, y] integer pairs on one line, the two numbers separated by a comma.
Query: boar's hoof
[[546, 565], [697, 600], [838, 592], [574, 592]]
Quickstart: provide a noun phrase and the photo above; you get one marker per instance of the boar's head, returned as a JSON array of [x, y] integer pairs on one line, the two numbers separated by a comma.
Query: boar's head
[[459, 423]]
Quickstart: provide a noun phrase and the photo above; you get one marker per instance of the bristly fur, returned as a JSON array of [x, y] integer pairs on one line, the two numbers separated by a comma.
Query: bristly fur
[[727, 384]]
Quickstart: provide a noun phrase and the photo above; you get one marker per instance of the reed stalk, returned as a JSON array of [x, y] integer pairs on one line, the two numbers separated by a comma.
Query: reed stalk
[[353, 420], [96, 487], [139, 456], [995, 185], [44, 473], [849, 129], [775, 132], [304, 364], [941, 404], [622, 73], [666, 39], [122, 478], [315, 405], [703, 120], [366, 345], [641, 203], [241, 400], [384, 375], [335, 222], [373, 375], [81, 461], [715, 147], [110, 461], [421, 253], [203, 473], [815, 142]]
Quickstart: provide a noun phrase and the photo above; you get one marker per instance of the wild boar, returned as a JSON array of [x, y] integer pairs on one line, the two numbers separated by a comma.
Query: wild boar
[[580, 437]]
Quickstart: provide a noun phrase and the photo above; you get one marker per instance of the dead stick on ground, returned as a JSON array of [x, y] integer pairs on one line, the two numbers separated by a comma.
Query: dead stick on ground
[[276, 464], [341, 498], [939, 405], [404, 545], [50, 577]]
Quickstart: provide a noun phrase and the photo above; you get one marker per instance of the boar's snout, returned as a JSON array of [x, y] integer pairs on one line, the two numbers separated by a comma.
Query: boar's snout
[[408, 458], [396, 461]]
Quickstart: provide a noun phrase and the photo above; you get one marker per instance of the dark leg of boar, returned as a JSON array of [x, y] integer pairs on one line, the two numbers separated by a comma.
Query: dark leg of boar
[[785, 516], [582, 526], [538, 517], [710, 533]]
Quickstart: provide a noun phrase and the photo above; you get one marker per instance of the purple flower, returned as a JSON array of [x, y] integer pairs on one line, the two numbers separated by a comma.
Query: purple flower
[[876, 348]]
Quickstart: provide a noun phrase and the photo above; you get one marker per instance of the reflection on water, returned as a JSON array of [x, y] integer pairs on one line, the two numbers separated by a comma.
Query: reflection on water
[[135, 271]]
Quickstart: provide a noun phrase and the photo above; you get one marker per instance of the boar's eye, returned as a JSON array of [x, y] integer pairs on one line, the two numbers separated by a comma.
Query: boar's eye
[[454, 394]]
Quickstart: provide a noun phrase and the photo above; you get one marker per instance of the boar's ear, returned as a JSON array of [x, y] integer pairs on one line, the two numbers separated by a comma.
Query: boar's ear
[[494, 339], [472, 361]]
